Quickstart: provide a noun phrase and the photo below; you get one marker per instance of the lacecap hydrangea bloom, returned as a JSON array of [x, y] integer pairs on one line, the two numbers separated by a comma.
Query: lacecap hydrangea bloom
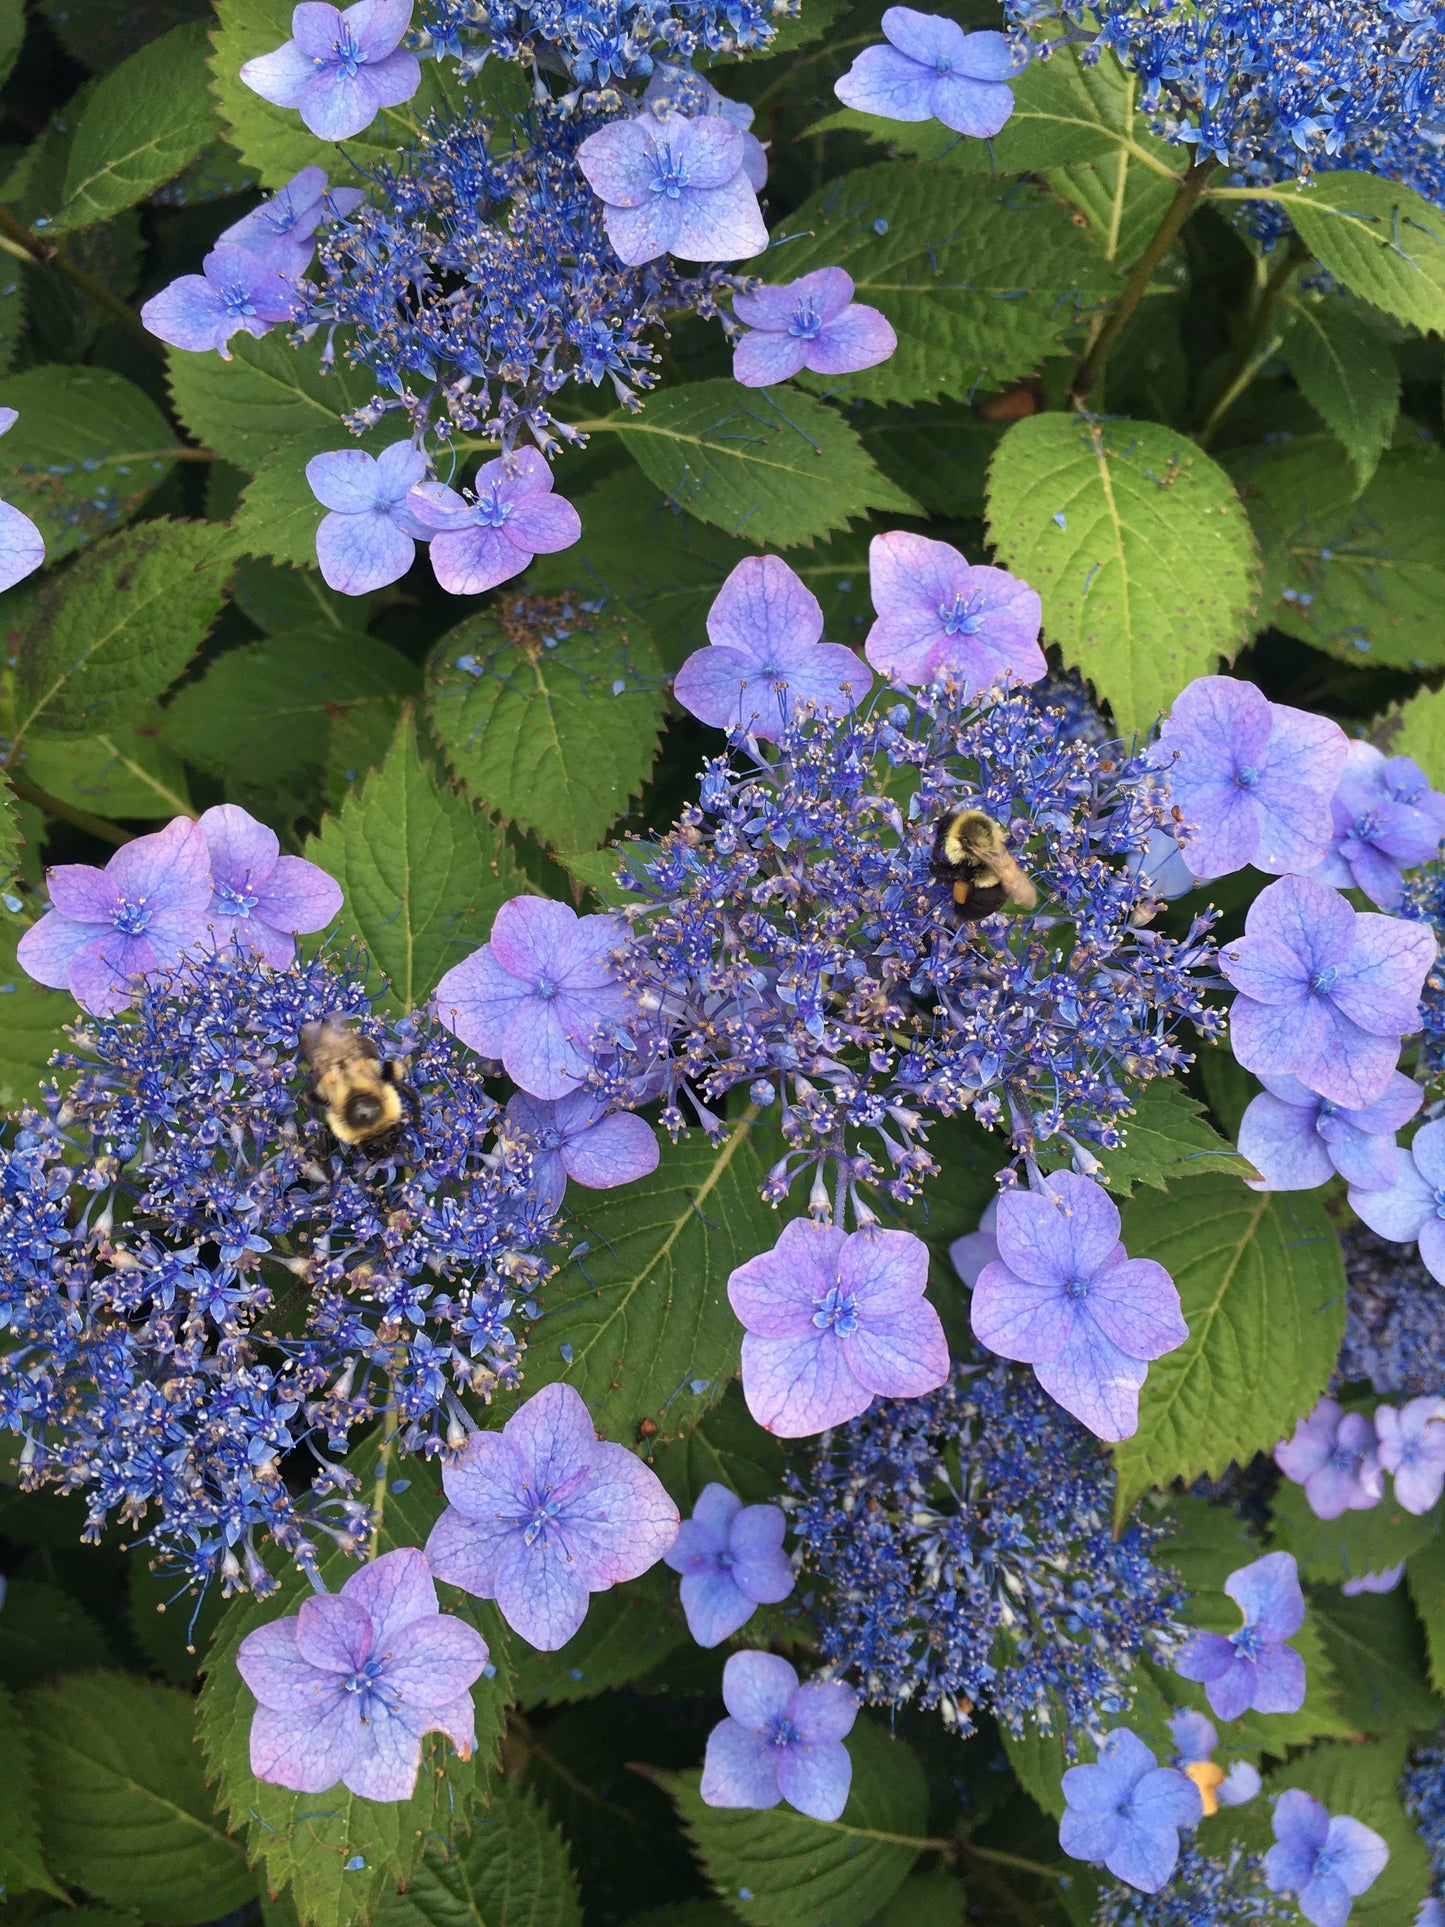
[[940, 616], [1125, 1812], [780, 1741], [1297, 1139], [1410, 1208], [1411, 1448], [1333, 1455], [1254, 1667], [812, 323], [1326, 1861], [1386, 820], [731, 1560], [930, 69], [339, 69]]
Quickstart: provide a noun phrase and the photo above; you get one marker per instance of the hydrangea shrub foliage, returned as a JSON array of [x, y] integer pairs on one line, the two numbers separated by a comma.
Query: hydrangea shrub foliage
[[722, 1020]]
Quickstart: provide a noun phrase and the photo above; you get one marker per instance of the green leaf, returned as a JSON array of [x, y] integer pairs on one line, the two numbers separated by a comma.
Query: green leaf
[[1426, 1574], [638, 1318], [939, 452], [727, 1447], [627, 1632], [549, 714], [786, 468], [10, 837], [778, 1868], [12, 310], [1354, 1544], [513, 1871], [1420, 733], [12, 35], [278, 516], [124, 1807], [22, 1865], [1346, 373], [1138, 546], [1262, 1286], [934, 1899], [1377, 1648], [1364, 1781], [268, 394], [261, 713], [1125, 194], [423, 871], [1166, 1138], [101, 33], [277, 599], [113, 633], [31, 1020], [1361, 575], [88, 449], [308, 1841], [141, 126], [1382, 240], [980, 281], [128, 774]]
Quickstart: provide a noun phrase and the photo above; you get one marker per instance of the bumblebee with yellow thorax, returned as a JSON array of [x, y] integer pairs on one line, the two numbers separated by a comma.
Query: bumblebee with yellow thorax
[[360, 1093], [971, 855]]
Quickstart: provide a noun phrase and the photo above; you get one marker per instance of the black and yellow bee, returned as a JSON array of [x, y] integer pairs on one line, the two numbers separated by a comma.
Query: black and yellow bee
[[971, 855], [360, 1093]]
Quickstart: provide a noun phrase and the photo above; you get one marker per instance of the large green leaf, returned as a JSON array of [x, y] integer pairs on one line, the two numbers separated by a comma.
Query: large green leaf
[[1138, 545], [270, 393], [113, 633], [1382, 1670], [127, 774], [549, 714], [1356, 1543], [141, 126], [44, 1632], [22, 1865], [1262, 1286], [778, 1868], [423, 871], [338, 1853], [1166, 1137], [778, 468], [1347, 373], [31, 1020], [1426, 1573], [627, 1632], [638, 1318], [1420, 733], [87, 450], [727, 1447], [1382, 240], [124, 1809], [1363, 1781], [512, 1871], [980, 281]]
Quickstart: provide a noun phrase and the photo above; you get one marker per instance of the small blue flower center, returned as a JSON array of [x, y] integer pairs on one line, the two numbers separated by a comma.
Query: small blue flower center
[[963, 616], [805, 323], [535, 1528], [236, 300], [837, 1310], [669, 176], [345, 52], [1343, 1457], [367, 1685], [492, 511], [131, 918], [545, 988], [942, 64], [782, 1732], [1248, 1642], [1077, 1287], [233, 902], [550, 1139], [726, 1560], [1323, 979], [1246, 776], [1367, 827]]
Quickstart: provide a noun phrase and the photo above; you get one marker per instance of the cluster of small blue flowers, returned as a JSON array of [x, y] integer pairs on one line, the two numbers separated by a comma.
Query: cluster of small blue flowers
[[793, 940], [1205, 1892], [596, 41], [1423, 1791], [1395, 1326], [1424, 899], [965, 1544], [202, 1305], [487, 279]]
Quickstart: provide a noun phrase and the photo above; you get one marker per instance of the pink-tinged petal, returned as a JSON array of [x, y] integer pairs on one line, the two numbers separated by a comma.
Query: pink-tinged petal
[[544, 524], [1379, 983], [712, 148], [394, 1591], [103, 973], [973, 107], [477, 1000], [715, 1606], [1096, 1382], [885, 82], [308, 1751], [334, 1634], [1365, 1161], [1308, 918], [488, 1479], [617, 1150], [539, 1054], [763, 606], [436, 506], [913, 572], [901, 1354], [377, 26], [815, 1779], [1136, 1306], [541, 1594], [470, 1552], [1353, 1067], [795, 1387], [171, 868], [888, 1271], [387, 1759], [739, 1769], [762, 360], [271, 1665], [643, 233], [1281, 1142], [617, 164], [1264, 970], [82, 894], [243, 852], [1018, 1319], [437, 1660], [861, 338], [1066, 1234], [901, 643], [527, 932], [1267, 1592], [345, 480], [1268, 1038], [298, 896], [359, 553], [281, 76], [1226, 826], [621, 1522], [822, 1711], [553, 1437], [472, 560], [22, 546], [719, 223], [757, 1689], [970, 1253], [777, 1293], [8, 419]]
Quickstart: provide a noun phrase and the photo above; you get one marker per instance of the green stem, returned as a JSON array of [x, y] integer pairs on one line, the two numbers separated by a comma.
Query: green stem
[[1259, 341], [1000, 1859], [47, 254], [1186, 197]]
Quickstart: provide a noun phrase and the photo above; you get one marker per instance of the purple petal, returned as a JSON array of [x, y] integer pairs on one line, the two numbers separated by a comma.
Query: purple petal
[[1145, 1857], [928, 37], [271, 1665], [1268, 1594], [970, 1253], [762, 360], [280, 77], [83, 894], [436, 506], [477, 1000], [886, 1270], [1358, 1853], [307, 1752], [539, 1053], [1270, 1038], [1205, 1657], [1096, 1382], [760, 1566], [898, 1354], [437, 1661], [621, 1522], [1311, 1443], [22, 547], [488, 1479], [762, 606], [102, 975], [1305, 757], [337, 105], [795, 1387], [1279, 1681], [861, 338], [1066, 1232], [758, 1688], [191, 315], [1164, 1797], [554, 1438], [334, 1634], [393, 1591], [715, 1606], [387, 1758], [1428, 1152], [471, 560], [544, 524], [715, 1513], [1136, 1306], [1281, 1142], [540, 1592], [718, 223], [640, 234], [1379, 983], [617, 164], [617, 1150], [242, 852], [1301, 1826], [298, 896], [885, 82], [1089, 1836], [1020, 1320], [377, 26], [976, 108], [1265, 970], [823, 1711], [739, 1769], [815, 1779], [711, 148], [359, 553], [470, 1551], [1353, 1068], [776, 1293], [345, 480]]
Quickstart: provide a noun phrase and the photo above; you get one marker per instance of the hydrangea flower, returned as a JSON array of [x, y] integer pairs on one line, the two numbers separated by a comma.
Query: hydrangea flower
[[1412, 1450], [781, 1741], [1065, 1297], [1364, 1582], [1253, 778], [1326, 992], [544, 1513], [1194, 1743], [674, 186], [1297, 1139], [1325, 1861], [1422, 1790], [513, 515], [577, 1137], [107, 930], [236, 292], [731, 1559], [283, 228], [1394, 1319], [340, 69], [350, 1684], [932, 70], [765, 658], [536, 994], [812, 322], [1125, 1812], [1253, 1667], [832, 1321], [673, 89], [260, 899], [1333, 1455], [1386, 819], [975, 1249], [938, 613], [22, 546], [1413, 1206], [369, 538]]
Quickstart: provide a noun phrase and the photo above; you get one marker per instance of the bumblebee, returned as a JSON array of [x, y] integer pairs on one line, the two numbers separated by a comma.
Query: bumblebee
[[360, 1093], [971, 854]]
